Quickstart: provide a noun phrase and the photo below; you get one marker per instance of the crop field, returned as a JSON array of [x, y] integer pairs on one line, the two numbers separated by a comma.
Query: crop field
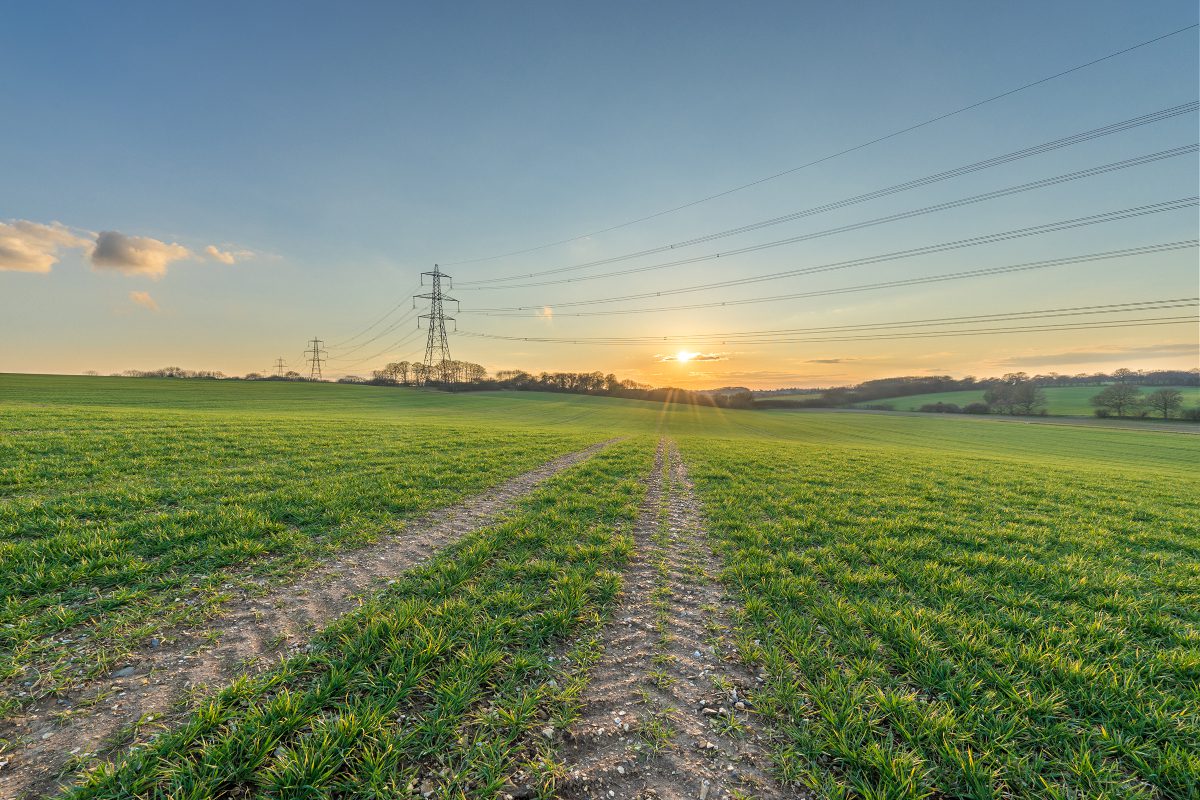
[[976, 631], [114, 520], [1071, 401], [933, 607]]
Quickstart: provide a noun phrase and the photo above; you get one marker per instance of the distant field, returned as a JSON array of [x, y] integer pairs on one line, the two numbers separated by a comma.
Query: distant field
[[1060, 401], [799, 394], [942, 607]]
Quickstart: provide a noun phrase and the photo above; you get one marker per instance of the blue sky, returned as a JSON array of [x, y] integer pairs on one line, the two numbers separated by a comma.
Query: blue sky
[[334, 151]]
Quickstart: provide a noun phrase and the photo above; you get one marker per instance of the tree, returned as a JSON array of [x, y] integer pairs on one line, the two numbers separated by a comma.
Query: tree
[[1027, 398], [1165, 401], [1118, 398], [1015, 395], [474, 373], [999, 397], [1123, 375]]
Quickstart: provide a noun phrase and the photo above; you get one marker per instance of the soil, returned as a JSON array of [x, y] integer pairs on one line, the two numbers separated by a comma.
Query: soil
[[668, 712], [55, 736]]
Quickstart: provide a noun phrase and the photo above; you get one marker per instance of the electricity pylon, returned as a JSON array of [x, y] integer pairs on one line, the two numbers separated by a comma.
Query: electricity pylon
[[437, 347], [280, 367], [315, 356]]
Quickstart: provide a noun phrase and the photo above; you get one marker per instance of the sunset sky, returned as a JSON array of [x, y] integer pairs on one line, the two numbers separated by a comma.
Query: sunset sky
[[209, 185]]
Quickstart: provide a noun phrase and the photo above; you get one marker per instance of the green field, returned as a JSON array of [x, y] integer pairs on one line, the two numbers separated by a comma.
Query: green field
[[942, 607], [1070, 401]]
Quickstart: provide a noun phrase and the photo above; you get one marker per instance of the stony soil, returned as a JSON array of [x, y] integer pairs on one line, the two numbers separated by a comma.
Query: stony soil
[[53, 736], [668, 712]]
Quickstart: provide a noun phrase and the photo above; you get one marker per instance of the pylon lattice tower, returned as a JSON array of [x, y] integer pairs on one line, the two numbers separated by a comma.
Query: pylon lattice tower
[[438, 364], [316, 356], [280, 367]]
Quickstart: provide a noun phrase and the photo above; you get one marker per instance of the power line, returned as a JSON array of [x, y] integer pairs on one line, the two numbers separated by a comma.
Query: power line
[[1137, 323], [405, 318], [927, 180], [837, 154], [280, 367], [1162, 247], [393, 347], [930, 334], [370, 327], [974, 241], [747, 337], [938, 207]]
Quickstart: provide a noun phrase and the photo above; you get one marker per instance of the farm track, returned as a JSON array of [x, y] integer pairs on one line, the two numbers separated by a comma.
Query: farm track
[[45, 743], [667, 712]]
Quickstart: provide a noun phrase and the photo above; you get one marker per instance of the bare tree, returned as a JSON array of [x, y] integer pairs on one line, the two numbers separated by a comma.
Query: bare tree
[[1165, 401], [1118, 398], [1015, 395]]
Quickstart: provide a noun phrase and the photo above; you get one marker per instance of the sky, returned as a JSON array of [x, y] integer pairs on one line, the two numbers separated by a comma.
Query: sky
[[209, 185]]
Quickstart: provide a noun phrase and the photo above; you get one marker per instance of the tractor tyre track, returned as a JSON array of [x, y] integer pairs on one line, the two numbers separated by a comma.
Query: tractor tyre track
[[668, 712], [45, 743]]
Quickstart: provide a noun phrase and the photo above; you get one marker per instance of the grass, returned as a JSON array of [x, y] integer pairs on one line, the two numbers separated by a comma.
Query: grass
[[116, 523], [977, 630], [943, 607], [440, 684], [1071, 401]]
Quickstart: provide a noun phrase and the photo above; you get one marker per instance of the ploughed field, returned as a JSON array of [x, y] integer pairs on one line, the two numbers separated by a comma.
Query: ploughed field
[[909, 606]]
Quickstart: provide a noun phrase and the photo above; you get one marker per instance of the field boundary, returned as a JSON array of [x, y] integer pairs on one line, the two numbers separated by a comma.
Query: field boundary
[[1063, 421], [60, 732]]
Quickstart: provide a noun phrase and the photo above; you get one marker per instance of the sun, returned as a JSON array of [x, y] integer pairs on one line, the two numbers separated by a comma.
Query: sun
[[683, 356]]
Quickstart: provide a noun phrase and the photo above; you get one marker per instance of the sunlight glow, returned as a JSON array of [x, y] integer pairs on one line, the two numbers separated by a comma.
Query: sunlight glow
[[683, 356]]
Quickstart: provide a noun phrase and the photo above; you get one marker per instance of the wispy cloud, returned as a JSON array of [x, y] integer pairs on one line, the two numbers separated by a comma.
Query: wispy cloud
[[33, 247], [144, 300], [692, 357], [777, 377], [1102, 355], [227, 256]]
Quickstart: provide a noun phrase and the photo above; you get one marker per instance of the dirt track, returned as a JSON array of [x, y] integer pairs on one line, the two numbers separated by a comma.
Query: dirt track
[[105, 717], [668, 711]]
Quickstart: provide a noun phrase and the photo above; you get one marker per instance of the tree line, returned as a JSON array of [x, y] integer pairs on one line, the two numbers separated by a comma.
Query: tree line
[[1016, 393], [1010, 390], [467, 376], [904, 386], [1127, 400]]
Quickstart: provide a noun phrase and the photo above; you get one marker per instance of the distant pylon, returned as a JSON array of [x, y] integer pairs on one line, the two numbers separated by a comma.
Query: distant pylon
[[280, 366], [437, 348], [315, 356]]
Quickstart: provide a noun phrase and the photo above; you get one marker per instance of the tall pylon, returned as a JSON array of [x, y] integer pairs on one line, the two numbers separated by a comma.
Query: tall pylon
[[280, 367], [315, 357], [437, 347]]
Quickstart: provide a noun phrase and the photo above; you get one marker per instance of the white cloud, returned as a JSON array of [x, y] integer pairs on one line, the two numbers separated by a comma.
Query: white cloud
[[33, 247], [136, 255], [144, 300], [36, 247], [227, 256]]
